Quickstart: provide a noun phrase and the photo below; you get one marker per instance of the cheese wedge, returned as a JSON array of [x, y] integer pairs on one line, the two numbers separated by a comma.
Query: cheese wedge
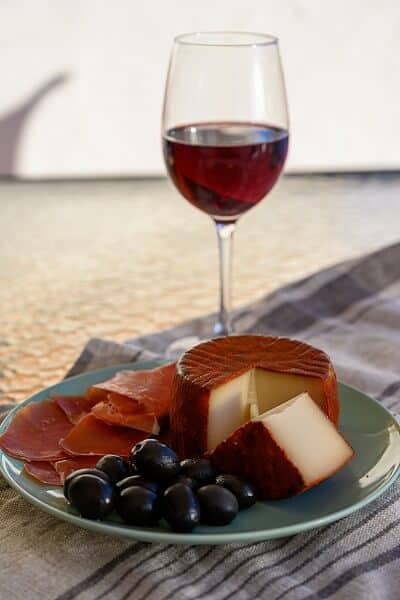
[[221, 384], [285, 451]]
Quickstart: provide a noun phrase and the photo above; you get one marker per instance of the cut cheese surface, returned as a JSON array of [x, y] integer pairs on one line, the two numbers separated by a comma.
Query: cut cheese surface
[[251, 394], [229, 408], [274, 388], [285, 451], [310, 440], [223, 383]]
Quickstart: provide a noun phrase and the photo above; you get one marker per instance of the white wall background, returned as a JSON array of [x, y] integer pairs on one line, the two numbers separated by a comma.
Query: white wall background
[[82, 82]]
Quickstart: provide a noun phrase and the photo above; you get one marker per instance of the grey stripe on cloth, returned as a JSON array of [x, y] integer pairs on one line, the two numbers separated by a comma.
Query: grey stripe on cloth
[[317, 540], [352, 310]]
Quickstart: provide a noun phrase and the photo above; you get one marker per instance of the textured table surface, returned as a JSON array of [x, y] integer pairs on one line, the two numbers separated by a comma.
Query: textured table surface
[[118, 259]]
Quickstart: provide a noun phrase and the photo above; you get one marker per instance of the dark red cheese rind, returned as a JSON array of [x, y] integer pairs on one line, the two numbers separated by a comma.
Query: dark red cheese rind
[[92, 437], [35, 432], [213, 363], [332, 407], [43, 471], [188, 418], [252, 454]]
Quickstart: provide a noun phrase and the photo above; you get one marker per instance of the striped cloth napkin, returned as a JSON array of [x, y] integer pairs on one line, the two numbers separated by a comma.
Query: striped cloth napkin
[[353, 312]]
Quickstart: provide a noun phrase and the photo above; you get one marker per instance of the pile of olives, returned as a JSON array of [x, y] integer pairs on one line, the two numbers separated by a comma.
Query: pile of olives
[[153, 485]]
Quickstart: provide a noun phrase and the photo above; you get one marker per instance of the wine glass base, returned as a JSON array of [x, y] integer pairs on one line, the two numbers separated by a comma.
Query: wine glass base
[[222, 329]]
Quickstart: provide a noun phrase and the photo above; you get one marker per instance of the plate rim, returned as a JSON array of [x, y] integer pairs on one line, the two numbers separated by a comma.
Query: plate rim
[[148, 535]]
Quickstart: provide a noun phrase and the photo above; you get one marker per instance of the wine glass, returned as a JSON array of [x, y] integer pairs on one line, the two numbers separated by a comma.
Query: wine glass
[[225, 131]]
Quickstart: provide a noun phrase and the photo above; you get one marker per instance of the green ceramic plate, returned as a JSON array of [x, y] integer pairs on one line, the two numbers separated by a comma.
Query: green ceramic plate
[[371, 430]]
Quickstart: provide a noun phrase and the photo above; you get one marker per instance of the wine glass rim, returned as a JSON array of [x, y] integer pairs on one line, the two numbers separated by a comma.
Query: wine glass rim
[[215, 38]]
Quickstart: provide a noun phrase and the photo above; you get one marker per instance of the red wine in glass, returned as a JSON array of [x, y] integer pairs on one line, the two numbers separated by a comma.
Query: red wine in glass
[[225, 168], [225, 131]]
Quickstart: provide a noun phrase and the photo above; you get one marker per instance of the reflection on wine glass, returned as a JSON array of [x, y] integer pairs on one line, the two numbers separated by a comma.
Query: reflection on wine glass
[[225, 131]]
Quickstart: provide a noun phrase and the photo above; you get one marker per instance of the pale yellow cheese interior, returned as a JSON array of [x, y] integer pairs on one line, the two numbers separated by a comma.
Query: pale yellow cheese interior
[[228, 409], [308, 438], [275, 388], [251, 394]]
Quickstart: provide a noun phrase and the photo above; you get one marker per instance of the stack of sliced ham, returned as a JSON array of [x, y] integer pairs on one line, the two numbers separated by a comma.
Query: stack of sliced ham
[[64, 433], [136, 399]]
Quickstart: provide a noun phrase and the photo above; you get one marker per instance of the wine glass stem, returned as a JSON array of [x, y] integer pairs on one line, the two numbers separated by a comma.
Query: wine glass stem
[[225, 243]]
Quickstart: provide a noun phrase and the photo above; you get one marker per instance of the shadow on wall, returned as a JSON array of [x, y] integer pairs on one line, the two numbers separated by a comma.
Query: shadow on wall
[[12, 124]]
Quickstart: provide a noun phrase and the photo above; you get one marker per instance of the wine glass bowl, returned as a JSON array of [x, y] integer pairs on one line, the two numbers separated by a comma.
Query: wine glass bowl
[[225, 168], [225, 130]]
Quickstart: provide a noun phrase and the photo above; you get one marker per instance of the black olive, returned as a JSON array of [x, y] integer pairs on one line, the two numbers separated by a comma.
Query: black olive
[[92, 496], [189, 481], [217, 504], [180, 507], [244, 492], [133, 470], [71, 476], [138, 480], [200, 469], [155, 460], [138, 506], [114, 466]]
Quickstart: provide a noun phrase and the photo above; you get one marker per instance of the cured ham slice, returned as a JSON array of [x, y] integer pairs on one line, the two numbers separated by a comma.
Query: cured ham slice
[[75, 407], [55, 473], [150, 389], [92, 437], [43, 471], [120, 410], [69, 465], [35, 432]]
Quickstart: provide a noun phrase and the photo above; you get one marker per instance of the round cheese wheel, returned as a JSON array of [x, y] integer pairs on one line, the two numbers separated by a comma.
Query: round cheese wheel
[[222, 383]]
